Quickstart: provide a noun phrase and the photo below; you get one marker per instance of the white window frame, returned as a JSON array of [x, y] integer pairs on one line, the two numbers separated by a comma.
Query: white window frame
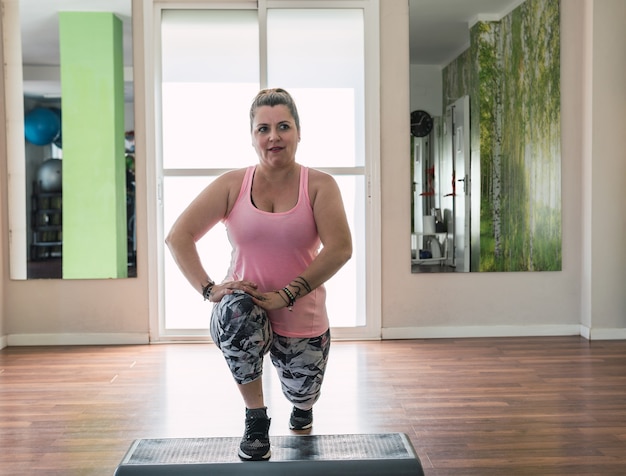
[[148, 15]]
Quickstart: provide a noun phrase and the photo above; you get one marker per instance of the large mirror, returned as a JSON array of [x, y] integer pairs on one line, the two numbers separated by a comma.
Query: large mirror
[[70, 139], [485, 135]]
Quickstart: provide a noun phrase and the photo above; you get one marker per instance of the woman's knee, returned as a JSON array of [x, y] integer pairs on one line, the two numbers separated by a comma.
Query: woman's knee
[[242, 331], [237, 317]]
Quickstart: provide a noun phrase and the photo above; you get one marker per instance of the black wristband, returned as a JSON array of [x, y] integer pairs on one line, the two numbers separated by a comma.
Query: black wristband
[[206, 290]]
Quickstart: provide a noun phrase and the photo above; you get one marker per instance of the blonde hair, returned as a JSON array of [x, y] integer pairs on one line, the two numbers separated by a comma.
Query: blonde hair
[[274, 97]]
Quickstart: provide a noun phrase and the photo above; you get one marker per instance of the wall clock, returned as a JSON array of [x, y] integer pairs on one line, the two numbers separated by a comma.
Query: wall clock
[[421, 123]]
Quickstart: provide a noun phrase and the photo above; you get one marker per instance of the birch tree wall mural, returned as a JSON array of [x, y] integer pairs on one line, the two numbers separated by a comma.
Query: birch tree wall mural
[[512, 74]]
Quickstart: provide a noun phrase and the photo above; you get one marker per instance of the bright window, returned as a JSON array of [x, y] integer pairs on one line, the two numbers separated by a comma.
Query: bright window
[[211, 63]]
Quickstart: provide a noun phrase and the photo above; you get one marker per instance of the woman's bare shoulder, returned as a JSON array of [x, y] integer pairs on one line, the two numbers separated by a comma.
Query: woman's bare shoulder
[[229, 181], [319, 179], [232, 176], [321, 184]]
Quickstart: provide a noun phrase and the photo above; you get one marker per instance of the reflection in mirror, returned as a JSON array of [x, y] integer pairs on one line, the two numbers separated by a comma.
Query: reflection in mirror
[[486, 179], [70, 122]]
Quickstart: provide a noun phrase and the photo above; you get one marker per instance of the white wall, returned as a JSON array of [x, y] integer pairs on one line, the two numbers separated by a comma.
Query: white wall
[[426, 89], [4, 246], [417, 305], [498, 303], [606, 176]]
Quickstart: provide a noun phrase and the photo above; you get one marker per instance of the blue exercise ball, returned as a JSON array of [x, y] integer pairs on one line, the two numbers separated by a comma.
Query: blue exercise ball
[[58, 140], [49, 176], [41, 126]]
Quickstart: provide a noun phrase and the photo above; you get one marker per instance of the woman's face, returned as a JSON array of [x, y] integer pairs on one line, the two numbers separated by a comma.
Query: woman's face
[[274, 135]]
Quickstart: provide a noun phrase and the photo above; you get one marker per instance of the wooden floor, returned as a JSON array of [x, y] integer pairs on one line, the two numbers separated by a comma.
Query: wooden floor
[[514, 406]]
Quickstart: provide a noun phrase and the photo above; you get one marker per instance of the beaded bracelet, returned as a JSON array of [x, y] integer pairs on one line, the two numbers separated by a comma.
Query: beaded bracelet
[[282, 297], [292, 298]]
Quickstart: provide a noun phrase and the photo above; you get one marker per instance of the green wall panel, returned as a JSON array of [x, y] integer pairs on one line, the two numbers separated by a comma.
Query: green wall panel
[[512, 73], [94, 188]]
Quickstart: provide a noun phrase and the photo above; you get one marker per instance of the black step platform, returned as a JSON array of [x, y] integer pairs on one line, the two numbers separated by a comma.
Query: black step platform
[[388, 454]]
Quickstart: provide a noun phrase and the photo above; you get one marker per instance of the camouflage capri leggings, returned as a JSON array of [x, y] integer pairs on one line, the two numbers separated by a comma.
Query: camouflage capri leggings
[[243, 333]]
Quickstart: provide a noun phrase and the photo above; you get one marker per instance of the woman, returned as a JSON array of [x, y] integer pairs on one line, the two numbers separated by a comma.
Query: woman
[[277, 214]]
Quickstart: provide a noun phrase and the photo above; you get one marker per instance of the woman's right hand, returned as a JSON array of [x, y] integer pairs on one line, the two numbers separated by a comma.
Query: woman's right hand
[[220, 290]]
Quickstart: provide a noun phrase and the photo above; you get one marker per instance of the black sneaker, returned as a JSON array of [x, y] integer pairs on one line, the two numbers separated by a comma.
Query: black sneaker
[[255, 444], [301, 419]]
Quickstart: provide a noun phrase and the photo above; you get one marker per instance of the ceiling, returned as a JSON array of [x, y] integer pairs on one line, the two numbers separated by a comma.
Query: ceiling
[[40, 38], [439, 30]]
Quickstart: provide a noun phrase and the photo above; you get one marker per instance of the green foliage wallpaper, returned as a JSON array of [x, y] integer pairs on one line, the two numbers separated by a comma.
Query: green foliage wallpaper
[[512, 74]]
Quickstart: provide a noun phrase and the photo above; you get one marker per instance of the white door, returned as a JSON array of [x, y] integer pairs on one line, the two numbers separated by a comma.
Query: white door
[[213, 62], [462, 204]]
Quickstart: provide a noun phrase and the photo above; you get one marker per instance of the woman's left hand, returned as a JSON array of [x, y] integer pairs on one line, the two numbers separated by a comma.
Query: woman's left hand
[[269, 301]]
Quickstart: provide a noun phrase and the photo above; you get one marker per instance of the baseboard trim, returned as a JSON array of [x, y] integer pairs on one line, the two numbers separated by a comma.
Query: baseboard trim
[[479, 331], [607, 334], [78, 339], [389, 333], [590, 333]]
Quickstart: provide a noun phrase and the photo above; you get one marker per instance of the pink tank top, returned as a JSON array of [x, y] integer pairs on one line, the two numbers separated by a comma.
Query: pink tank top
[[272, 249]]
